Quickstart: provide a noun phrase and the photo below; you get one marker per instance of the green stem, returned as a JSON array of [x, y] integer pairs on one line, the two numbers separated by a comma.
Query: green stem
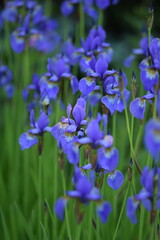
[[149, 36], [132, 128], [121, 213], [155, 105], [40, 195], [82, 21], [141, 226], [130, 138], [114, 128], [90, 225], [66, 212], [101, 17], [139, 137]]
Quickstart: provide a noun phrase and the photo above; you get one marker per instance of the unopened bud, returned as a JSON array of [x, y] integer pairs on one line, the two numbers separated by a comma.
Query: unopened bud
[[134, 86], [150, 17]]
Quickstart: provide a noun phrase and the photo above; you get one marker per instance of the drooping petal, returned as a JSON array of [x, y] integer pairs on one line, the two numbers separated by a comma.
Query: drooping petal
[[132, 206], [94, 194], [128, 61], [74, 84], [27, 140], [149, 78], [108, 159], [73, 154], [115, 179], [103, 211], [83, 186], [137, 108], [60, 207], [42, 122], [59, 129], [147, 204], [110, 101], [152, 138], [17, 42], [87, 85], [66, 8]]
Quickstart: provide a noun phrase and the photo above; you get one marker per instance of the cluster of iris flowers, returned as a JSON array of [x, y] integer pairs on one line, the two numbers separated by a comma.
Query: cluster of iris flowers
[[83, 137]]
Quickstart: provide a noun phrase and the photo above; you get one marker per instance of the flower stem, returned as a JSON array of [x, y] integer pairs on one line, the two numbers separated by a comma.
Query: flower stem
[[130, 138], [121, 213], [114, 128], [82, 21], [141, 229], [66, 212], [40, 195], [100, 18]]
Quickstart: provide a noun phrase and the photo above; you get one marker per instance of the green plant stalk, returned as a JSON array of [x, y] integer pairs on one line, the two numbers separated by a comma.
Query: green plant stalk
[[40, 195], [122, 209], [101, 17], [132, 128], [130, 139], [155, 106], [54, 233], [97, 229], [139, 137], [114, 128], [66, 211], [82, 22], [90, 225], [149, 36], [141, 223]]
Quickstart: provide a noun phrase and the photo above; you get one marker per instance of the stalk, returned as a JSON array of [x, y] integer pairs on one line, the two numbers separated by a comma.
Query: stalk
[[101, 17], [82, 21], [66, 211], [121, 213], [40, 195], [130, 138]]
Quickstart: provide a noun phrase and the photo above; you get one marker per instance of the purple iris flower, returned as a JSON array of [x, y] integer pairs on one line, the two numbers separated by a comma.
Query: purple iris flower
[[68, 131], [107, 156], [84, 191], [6, 80], [94, 134], [94, 43], [103, 211], [149, 75], [71, 125], [40, 126], [70, 55], [142, 50], [150, 66], [10, 13], [18, 40], [115, 91], [152, 138], [96, 70], [57, 72], [150, 180], [138, 105], [67, 8], [132, 205], [103, 4], [60, 207], [155, 52]]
